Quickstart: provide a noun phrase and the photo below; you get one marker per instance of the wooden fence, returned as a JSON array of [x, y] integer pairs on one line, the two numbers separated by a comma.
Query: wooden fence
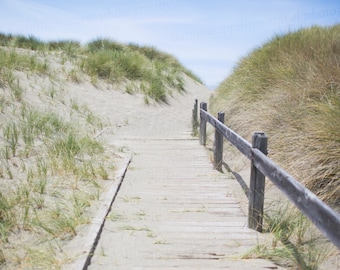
[[325, 218]]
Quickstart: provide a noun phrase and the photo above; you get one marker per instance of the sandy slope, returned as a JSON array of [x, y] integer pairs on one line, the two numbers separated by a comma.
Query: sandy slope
[[131, 117]]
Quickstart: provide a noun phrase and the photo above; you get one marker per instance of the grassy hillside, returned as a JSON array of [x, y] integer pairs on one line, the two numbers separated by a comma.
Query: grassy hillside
[[290, 89], [143, 69], [52, 165]]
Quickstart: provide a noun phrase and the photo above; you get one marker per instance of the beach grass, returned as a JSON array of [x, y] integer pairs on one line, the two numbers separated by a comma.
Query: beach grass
[[289, 88], [156, 74], [149, 71]]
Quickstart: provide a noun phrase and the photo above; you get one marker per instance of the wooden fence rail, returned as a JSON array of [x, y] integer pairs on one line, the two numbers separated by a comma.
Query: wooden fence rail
[[325, 218]]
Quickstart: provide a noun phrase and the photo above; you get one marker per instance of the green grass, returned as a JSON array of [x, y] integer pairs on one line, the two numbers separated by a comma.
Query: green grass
[[6, 217], [71, 48], [290, 89], [11, 61], [157, 56], [151, 72], [105, 45], [155, 73], [54, 166], [295, 240]]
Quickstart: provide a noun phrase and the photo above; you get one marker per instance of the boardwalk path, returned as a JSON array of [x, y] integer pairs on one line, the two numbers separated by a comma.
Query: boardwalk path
[[172, 211]]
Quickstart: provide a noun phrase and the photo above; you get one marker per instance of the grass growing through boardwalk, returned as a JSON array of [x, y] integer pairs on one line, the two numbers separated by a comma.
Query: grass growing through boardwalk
[[290, 89]]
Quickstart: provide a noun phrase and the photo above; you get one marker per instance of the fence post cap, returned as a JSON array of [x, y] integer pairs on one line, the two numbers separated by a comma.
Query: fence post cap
[[260, 141], [259, 133]]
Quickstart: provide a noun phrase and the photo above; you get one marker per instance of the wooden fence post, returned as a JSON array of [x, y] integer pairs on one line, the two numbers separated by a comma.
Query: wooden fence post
[[256, 186], [203, 125], [218, 149], [194, 118]]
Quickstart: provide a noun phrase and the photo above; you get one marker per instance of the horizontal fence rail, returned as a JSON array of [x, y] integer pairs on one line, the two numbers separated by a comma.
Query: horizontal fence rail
[[324, 218], [241, 144]]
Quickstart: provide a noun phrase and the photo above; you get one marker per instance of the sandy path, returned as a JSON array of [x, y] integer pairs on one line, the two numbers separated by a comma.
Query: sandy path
[[130, 117]]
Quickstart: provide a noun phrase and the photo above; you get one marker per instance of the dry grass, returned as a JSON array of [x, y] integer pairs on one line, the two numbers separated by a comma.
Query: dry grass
[[290, 89]]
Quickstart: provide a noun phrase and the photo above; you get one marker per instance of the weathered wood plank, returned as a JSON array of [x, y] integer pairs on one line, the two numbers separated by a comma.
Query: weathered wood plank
[[186, 217]]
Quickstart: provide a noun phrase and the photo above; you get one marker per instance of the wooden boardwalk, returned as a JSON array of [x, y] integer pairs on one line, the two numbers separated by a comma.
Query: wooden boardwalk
[[173, 211]]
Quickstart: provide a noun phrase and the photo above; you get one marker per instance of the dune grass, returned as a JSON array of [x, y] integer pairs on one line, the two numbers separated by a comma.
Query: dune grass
[[35, 44], [51, 167], [152, 72], [290, 89], [296, 244], [11, 61]]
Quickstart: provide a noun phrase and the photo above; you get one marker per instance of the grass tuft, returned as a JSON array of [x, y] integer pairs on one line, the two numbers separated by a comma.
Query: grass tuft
[[151, 72], [295, 240]]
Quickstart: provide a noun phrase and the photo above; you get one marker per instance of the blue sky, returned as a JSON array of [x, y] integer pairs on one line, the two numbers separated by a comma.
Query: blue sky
[[208, 37]]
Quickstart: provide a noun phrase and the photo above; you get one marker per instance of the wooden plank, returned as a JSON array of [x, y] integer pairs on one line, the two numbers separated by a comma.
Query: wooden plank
[[187, 218]]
